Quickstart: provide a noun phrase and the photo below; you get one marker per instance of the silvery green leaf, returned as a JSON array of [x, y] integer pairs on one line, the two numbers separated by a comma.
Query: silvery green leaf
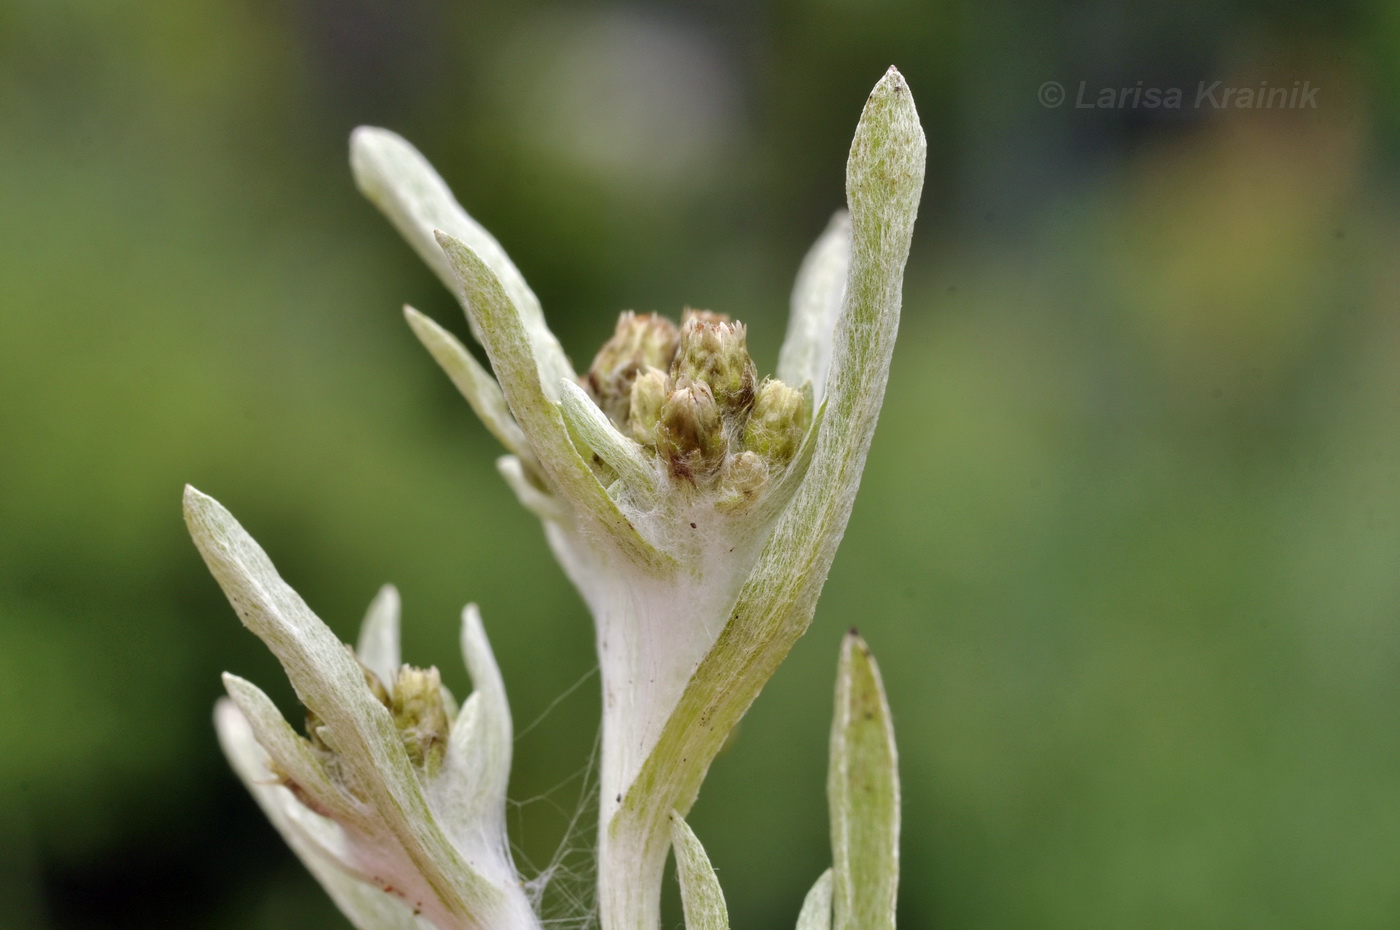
[[378, 645], [401, 183], [775, 604], [366, 907], [816, 907], [863, 791], [330, 683], [700, 892], [469, 792], [507, 343], [622, 454], [816, 304], [473, 381], [290, 753]]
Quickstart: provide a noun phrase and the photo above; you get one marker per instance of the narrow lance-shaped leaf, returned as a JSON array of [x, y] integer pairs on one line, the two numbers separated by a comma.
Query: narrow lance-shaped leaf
[[700, 892], [472, 381], [863, 791], [816, 907], [291, 754], [399, 181], [816, 304], [508, 346], [622, 454], [330, 683], [883, 180], [470, 791]]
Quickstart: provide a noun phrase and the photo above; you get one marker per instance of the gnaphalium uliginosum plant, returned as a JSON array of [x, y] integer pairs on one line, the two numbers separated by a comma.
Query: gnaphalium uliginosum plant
[[696, 507]]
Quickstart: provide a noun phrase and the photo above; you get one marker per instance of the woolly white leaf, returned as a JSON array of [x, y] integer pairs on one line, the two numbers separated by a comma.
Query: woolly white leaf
[[816, 305], [469, 792], [378, 645], [289, 752], [366, 907], [816, 907]]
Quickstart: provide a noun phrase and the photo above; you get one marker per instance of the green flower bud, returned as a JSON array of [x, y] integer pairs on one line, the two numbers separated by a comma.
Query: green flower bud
[[644, 414], [777, 423], [691, 431], [421, 716], [714, 351], [740, 481], [638, 343]]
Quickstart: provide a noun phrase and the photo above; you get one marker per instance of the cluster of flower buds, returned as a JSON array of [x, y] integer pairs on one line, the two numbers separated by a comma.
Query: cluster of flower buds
[[691, 394]]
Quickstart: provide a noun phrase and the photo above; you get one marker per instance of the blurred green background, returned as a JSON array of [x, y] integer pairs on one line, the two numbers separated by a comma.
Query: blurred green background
[[1128, 541]]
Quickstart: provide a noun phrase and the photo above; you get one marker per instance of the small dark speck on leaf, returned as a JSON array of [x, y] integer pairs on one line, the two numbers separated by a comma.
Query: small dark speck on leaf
[[692, 526], [619, 799]]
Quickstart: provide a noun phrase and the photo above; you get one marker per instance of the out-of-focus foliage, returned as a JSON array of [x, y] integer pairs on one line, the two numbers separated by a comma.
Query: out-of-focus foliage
[[1129, 536]]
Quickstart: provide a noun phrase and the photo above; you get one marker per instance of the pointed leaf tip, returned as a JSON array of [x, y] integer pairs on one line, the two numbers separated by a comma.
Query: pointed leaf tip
[[193, 497], [886, 166], [397, 179], [891, 84], [863, 791], [470, 790]]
